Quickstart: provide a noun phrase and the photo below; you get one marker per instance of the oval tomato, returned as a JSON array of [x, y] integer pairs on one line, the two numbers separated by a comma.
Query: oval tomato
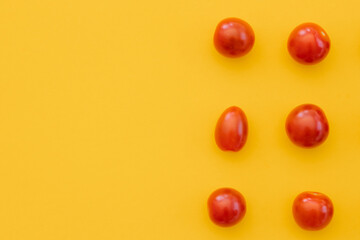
[[231, 130]]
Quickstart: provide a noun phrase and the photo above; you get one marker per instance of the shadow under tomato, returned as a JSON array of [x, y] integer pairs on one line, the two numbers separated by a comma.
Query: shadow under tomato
[[318, 153], [316, 72], [244, 154], [245, 63], [238, 231], [297, 232]]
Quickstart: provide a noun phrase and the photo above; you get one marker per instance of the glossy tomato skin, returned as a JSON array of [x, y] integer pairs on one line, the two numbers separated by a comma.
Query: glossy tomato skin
[[233, 37], [307, 126], [226, 207], [231, 130], [308, 43], [312, 210]]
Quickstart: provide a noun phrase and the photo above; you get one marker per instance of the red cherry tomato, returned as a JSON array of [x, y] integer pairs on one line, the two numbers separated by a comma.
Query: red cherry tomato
[[231, 130], [307, 126], [226, 207], [312, 210], [308, 43], [233, 37]]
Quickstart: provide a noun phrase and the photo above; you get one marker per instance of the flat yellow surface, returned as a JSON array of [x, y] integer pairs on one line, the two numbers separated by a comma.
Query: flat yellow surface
[[108, 110]]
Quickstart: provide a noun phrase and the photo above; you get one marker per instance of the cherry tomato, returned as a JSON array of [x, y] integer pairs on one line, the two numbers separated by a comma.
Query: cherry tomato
[[312, 210], [307, 126], [226, 207], [231, 130], [308, 43], [233, 37]]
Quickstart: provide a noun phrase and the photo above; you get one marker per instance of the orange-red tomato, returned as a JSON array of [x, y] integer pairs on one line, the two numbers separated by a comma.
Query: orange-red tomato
[[233, 37], [231, 130], [307, 126], [226, 207], [308, 43], [312, 210]]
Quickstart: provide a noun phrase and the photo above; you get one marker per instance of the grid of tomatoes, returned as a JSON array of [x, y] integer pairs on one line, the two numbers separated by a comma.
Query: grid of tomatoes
[[306, 125]]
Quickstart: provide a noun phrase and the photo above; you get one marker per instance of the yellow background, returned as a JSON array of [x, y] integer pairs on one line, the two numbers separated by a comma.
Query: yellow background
[[108, 110]]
